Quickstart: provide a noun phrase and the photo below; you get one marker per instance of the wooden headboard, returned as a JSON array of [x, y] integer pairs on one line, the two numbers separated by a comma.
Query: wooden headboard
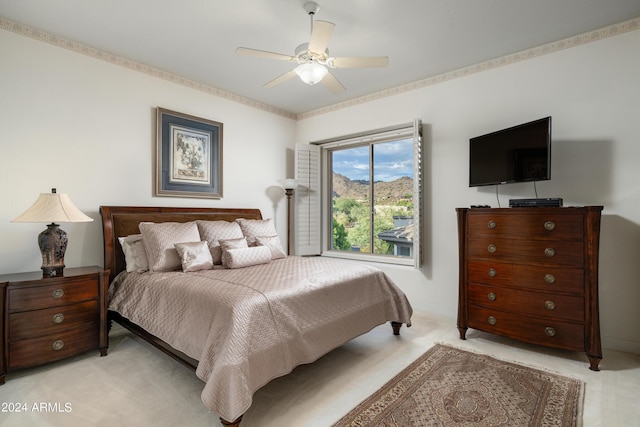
[[121, 221]]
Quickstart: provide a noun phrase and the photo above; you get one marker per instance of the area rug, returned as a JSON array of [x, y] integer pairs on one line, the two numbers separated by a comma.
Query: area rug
[[452, 387]]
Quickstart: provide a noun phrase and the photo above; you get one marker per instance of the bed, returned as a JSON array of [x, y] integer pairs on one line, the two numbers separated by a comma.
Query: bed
[[238, 327]]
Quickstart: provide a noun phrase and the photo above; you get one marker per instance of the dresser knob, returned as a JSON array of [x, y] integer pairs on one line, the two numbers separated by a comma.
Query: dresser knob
[[549, 225], [550, 305], [492, 248], [550, 278], [492, 320], [491, 224], [491, 296], [57, 318], [549, 331], [57, 345], [492, 272], [549, 252], [58, 293]]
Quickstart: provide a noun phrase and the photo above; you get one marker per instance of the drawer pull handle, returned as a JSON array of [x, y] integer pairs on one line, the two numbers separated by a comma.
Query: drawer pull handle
[[491, 296], [492, 248], [57, 345], [492, 272], [58, 293], [549, 225], [549, 331], [492, 320], [57, 318], [550, 305], [550, 252], [550, 278], [492, 224]]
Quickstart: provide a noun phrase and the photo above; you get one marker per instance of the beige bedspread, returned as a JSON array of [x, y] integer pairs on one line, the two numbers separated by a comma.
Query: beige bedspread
[[250, 325]]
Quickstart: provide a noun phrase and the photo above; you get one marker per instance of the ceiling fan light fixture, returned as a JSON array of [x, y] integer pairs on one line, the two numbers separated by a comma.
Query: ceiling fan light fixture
[[311, 72]]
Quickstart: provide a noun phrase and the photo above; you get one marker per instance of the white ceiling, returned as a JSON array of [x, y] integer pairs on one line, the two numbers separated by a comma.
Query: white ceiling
[[196, 39]]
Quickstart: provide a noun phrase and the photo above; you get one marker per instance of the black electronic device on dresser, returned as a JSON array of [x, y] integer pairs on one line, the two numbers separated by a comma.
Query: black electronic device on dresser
[[44, 319], [531, 274]]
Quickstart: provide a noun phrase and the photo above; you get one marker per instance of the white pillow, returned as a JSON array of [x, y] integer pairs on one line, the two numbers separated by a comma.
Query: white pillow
[[194, 256], [245, 257], [160, 239], [273, 243], [214, 231], [252, 228], [135, 256]]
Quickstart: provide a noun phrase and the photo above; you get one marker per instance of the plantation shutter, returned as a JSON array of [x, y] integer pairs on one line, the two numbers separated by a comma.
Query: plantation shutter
[[307, 197], [417, 192]]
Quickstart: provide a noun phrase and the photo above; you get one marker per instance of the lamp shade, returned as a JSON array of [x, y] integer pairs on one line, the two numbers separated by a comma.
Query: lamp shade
[[311, 72], [53, 207], [288, 183]]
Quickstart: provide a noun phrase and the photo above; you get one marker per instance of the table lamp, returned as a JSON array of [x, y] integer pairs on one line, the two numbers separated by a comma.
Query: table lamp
[[53, 207]]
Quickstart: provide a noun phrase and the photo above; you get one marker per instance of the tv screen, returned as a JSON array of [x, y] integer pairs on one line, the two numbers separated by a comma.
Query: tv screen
[[517, 154]]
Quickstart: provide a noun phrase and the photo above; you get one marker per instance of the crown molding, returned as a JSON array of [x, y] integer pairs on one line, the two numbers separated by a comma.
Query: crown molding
[[579, 40], [34, 33]]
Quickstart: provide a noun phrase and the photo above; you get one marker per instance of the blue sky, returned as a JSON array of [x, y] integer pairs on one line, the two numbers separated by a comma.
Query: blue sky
[[392, 160]]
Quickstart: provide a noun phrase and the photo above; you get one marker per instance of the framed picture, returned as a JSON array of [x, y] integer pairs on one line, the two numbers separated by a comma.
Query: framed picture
[[188, 156]]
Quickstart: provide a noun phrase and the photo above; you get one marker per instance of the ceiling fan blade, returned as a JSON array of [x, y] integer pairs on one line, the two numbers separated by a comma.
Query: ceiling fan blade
[[320, 36], [264, 54], [333, 84], [281, 79], [359, 62]]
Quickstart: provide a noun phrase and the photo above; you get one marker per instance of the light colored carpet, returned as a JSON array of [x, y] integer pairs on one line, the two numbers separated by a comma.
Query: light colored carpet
[[138, 386], [448, 387]]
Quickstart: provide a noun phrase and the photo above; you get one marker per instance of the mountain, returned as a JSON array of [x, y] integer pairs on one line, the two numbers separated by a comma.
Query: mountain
[[388, 193]]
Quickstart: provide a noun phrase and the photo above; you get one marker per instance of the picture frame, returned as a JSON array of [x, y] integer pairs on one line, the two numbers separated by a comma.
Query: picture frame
[[188, 155]]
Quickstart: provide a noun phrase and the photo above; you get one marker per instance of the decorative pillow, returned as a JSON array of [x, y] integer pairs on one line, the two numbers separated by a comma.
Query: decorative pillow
[[135, 256], [245, 257], [228, 244], [214, 231], [194, 256], [251, 228], [159, 240], [273, 243]]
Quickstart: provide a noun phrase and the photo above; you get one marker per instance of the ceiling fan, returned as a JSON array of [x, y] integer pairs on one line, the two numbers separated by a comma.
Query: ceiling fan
[[313, 58]]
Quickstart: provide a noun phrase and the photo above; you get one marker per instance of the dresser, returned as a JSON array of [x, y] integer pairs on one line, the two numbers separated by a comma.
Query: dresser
[[48, 319], [531, 274]]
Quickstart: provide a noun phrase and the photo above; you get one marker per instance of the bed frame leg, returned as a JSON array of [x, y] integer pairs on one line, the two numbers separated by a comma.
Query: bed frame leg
[[396, 327], [235, 423]]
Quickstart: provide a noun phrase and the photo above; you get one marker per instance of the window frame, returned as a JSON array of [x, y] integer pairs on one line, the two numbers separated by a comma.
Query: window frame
[[405, 131]]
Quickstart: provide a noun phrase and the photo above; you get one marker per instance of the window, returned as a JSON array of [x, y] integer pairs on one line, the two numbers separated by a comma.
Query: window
[[366, 191]]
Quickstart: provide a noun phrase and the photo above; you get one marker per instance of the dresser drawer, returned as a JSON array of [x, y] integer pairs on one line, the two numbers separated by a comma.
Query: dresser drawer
[[528, 303], [31, 324], [556, 252], [544, 278], [54, 347], [527, 225], [36, 297], [552, 333]]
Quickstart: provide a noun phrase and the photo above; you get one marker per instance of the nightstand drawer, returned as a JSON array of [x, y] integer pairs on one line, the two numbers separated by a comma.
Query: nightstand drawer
[[54, 347], [36, 297], [31, 324]]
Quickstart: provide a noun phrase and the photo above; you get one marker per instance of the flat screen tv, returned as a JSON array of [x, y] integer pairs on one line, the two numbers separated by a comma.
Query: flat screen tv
[[516, 154]]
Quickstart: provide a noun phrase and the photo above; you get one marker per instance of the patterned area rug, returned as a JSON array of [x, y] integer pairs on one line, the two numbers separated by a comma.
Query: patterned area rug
[[451, 387]]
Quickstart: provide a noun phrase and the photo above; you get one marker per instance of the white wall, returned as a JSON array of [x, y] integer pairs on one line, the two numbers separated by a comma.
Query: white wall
[[87, 127], [592, 92]]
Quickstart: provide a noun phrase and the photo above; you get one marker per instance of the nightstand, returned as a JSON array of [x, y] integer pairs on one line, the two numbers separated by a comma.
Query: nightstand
[[48, 319]]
